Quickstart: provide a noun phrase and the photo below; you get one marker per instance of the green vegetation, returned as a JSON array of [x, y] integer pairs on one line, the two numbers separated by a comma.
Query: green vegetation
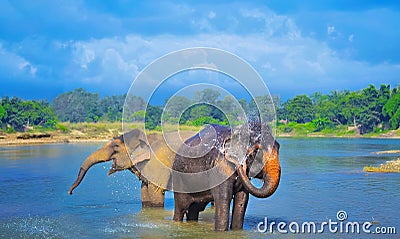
[[299, 109], [370, 111], [19, 115]]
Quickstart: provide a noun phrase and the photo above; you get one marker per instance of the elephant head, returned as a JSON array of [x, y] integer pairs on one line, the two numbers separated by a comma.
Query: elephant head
[[261, 156], [116, 150]]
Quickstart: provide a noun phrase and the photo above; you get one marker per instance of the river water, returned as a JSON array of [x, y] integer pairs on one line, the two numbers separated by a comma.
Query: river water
[[320, 177]]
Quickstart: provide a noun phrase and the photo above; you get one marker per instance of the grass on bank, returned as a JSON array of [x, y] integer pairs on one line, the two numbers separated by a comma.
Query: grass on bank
[[102, 129], [311, 129], [110, 129]]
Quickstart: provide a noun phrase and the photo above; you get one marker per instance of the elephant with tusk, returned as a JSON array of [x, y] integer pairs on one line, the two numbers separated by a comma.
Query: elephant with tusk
[[150, 156], [256, 156]]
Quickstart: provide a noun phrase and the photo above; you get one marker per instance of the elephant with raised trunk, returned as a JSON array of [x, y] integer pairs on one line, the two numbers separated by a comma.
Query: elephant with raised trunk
[[149, 156], [260, 156]]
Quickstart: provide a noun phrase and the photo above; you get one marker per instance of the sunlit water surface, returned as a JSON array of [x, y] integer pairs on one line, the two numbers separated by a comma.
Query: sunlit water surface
[[319, 178]]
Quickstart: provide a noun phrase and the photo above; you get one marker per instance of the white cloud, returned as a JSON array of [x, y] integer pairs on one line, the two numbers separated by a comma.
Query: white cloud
[[331, 30], [288, 61], [305, 64], [273, 24], [26, 66], [212, 15], [351, 37], [84, 55], [12, 64]]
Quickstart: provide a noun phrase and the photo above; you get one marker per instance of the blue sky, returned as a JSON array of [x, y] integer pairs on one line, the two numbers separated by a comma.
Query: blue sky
[[49, 47]]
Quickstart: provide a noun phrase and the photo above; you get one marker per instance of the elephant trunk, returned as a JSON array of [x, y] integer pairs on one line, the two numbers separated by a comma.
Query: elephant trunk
[[101, 155], [271, 174], [78, 180]]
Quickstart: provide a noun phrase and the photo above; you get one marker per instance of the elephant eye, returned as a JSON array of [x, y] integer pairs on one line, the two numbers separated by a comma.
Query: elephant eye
[[116, 147]]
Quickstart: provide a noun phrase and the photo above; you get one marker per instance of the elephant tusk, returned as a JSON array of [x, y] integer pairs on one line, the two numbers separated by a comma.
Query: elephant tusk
[[227, 156], [252, 150], [244, 166], [136, 172], [231, 160]]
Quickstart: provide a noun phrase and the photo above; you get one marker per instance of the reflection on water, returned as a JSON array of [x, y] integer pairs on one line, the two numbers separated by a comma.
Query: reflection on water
[[319, 178], [31, 151]]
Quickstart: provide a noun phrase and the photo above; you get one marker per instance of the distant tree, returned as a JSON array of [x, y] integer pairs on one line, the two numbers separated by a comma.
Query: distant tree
[[322, 123], [351, 110], [384, 96], [3, 113], [77, 106], [200, 110], [207, 120], [336, 105], [265, 107], [317, 97], [277, 102], [373, 102], [391, 110], [132, 105], [207, 95], [228, 104], [327, 109], [243, 104], [20, 114], [299, 109], [176, 106], [153, 117], [139, 115], [362, 109], [111, 107], [230, 108]]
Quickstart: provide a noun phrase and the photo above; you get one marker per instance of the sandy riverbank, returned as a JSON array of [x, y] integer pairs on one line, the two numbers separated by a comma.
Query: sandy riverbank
[[392, 166], [74, 137], [48, 138], [51, 140], [80, 137]]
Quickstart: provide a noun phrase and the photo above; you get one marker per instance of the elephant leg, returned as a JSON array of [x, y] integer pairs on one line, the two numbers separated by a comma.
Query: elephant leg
[[181, 205], [144, 190], [194, 210], [240, 201], [152, 195], [156, 195], [222, 199]]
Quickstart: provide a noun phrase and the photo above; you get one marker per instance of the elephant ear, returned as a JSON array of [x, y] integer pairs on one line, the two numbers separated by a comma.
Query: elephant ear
[[257, 164], [137, 146], [235, 145], [141, 153], [229, 152]]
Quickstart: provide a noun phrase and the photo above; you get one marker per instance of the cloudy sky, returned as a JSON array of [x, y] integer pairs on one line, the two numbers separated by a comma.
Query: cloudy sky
[[49, 47]]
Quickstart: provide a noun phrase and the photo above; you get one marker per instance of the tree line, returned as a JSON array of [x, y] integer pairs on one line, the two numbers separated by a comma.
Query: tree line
[[367, 110], [17, 114]]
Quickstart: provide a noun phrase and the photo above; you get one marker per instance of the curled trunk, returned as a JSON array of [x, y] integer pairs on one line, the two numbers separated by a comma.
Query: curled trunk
[[271, 174]]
